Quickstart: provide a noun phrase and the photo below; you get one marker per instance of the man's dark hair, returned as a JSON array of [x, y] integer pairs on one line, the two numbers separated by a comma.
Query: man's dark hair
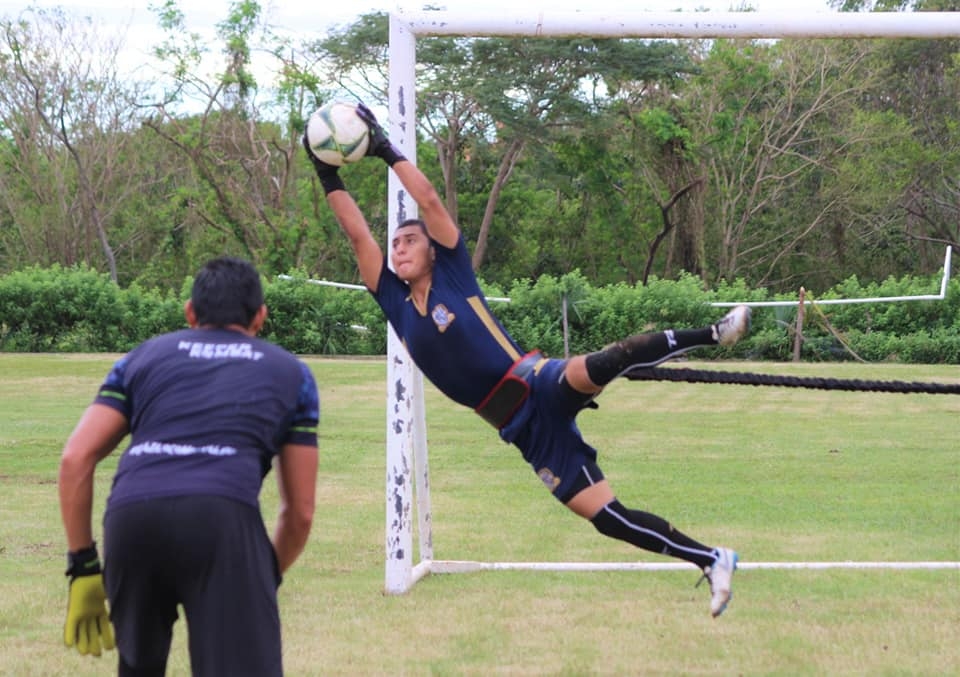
[[419, 223], [226, 291], [415, 222]]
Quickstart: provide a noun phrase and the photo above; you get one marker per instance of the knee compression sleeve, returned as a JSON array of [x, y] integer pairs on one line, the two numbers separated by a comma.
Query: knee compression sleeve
[[650, 532], [574, 398], [643, 350]]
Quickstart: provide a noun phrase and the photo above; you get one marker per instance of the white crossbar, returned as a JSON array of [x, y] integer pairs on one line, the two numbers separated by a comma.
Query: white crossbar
[[523, 20]]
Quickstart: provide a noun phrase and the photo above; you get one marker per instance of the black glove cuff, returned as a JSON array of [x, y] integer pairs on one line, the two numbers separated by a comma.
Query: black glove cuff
[[391, 155], [331, 182], [84, 562]]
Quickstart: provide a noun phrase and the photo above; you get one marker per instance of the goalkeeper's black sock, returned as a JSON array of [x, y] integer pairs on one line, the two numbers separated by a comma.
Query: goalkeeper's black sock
[[644, 350], [650, 532]]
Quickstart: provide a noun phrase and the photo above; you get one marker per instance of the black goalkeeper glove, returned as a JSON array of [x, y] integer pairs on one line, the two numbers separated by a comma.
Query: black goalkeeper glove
[[327, 174], [87, 626], [380, 145]]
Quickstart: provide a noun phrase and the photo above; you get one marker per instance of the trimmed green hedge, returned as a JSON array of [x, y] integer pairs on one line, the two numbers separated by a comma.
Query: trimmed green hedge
[[80, 310]]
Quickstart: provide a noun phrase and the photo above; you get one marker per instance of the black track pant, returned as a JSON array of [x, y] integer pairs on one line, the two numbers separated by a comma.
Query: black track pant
[[209, 554]]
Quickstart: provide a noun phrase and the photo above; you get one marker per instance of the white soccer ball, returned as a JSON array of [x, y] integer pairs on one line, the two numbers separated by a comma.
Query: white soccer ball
[[336, 134]]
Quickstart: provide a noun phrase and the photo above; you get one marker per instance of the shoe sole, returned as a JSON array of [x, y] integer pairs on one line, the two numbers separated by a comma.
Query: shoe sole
[[736, 558]]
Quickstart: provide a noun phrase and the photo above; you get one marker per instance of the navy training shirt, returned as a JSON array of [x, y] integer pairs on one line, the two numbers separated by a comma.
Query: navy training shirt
[[207, 409], [458, 344]]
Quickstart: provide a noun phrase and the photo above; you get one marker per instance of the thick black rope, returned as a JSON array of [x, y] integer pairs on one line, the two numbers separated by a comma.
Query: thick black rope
[[750, 379]]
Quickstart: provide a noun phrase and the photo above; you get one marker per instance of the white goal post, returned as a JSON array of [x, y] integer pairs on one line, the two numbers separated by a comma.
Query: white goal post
[[407, 475]]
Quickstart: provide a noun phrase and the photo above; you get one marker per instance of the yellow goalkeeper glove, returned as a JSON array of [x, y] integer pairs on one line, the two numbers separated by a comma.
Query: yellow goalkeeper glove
[[87, 626]]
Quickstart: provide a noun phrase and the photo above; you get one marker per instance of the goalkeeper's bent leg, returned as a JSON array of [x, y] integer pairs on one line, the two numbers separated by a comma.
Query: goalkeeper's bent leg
[[644, 350]]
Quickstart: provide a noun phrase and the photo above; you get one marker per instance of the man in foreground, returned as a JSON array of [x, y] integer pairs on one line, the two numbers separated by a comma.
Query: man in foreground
[[209, 409]]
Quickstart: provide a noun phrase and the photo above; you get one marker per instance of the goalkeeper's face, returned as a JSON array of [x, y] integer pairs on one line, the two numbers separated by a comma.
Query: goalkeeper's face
[[411, 253]]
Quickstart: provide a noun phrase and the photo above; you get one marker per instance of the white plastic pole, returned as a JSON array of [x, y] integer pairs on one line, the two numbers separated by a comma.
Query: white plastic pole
[[873, 299], [404, 384], [421, 471], [524, 20], [469, 566]]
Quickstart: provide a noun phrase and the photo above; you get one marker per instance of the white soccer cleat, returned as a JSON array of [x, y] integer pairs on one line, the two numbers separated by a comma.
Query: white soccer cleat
[[720, 575], [732, 326]]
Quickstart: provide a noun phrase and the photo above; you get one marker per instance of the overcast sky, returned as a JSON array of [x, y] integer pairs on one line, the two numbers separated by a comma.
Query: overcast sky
[[137, 24]]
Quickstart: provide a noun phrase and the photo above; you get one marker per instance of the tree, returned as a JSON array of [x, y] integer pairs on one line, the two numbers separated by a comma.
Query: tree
[[245, 165], [492, 99], [67, 159], [921, 85], [772, 122]]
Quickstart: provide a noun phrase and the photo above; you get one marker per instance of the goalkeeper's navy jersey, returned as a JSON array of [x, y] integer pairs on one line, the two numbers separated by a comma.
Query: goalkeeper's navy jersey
[[207, 410], [457, 343]]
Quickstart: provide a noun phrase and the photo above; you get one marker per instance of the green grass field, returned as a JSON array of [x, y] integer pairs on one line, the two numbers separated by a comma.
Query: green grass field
[[780, 474]]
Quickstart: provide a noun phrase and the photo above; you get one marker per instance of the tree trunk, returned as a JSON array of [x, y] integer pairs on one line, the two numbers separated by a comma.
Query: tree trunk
[[507, 164]]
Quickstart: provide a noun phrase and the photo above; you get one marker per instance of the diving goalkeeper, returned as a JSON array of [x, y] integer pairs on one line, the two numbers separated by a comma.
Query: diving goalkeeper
[[433, 302]]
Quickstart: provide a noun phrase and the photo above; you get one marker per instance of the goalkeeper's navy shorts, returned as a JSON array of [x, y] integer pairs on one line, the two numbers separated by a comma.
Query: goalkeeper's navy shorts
[[212, 555], [545, 430]]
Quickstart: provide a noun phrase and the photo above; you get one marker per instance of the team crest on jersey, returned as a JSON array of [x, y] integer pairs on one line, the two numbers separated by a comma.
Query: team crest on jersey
[[548, 478], [442, 317]]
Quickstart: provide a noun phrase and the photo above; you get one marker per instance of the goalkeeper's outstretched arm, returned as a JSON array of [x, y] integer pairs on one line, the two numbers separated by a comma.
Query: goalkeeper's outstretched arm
[[367, 251], [433, 211], [440, 225]]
